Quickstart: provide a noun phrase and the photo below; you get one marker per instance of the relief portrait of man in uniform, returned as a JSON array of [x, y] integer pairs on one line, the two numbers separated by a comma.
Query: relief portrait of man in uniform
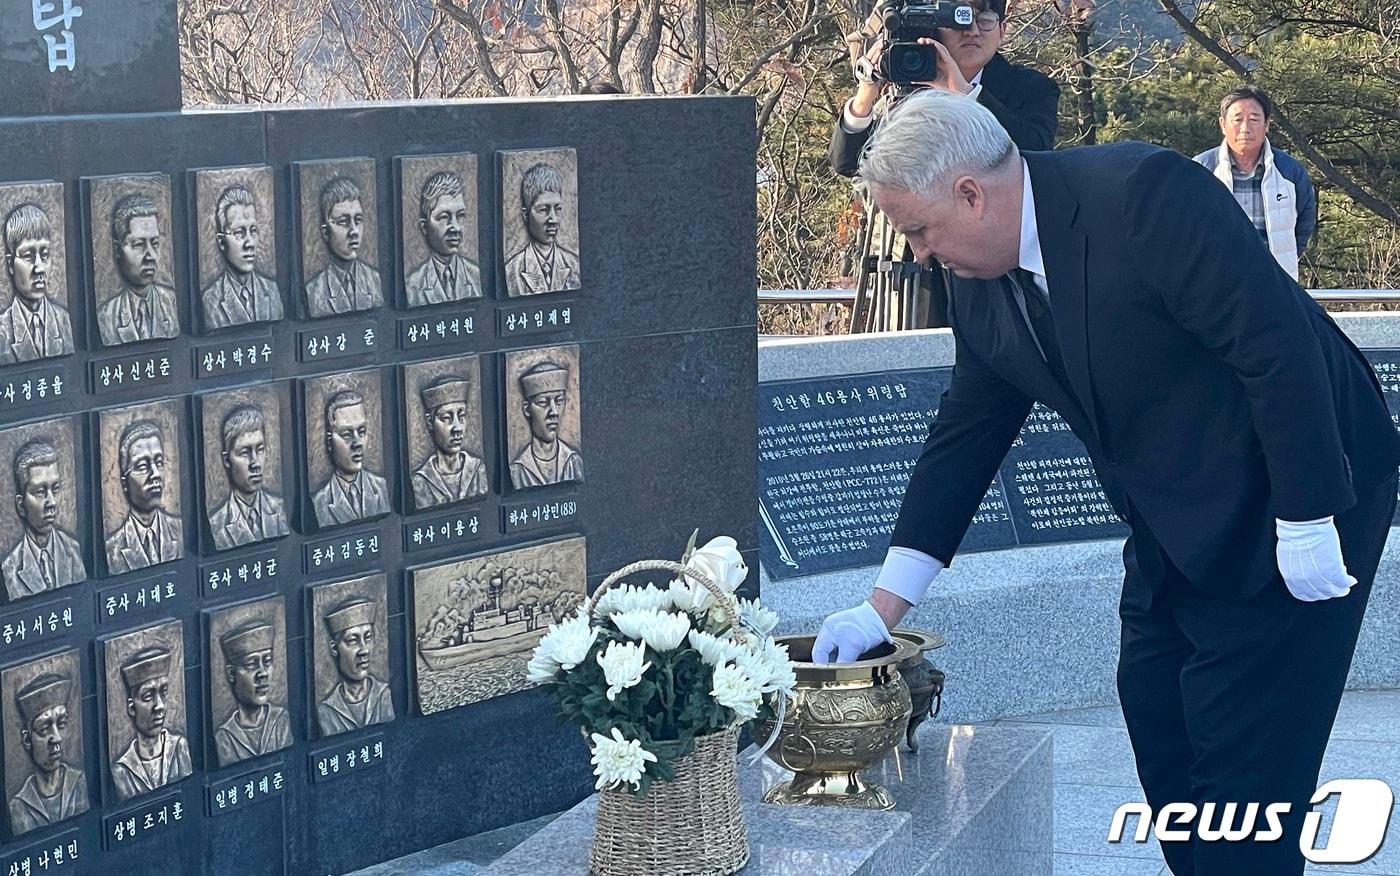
[[145, 681], [41, 543], [243, 466], [248, 680], [350, 640], [345, 447], [133, 266], [442, 419], [539, 221], [42, 716], [542, 416], [237, 246], [35, 323], [438, 219], [140, 455], [339, 236]]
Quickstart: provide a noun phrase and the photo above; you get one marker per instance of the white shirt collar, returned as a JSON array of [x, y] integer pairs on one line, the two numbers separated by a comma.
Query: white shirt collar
[[977, 80], [1031, 258]]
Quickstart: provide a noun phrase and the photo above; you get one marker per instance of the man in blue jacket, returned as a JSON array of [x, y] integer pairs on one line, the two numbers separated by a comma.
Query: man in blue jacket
[[1270, 185]]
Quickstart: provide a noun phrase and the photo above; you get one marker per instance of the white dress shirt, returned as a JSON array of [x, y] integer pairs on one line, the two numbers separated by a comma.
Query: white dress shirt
[[907, 573]]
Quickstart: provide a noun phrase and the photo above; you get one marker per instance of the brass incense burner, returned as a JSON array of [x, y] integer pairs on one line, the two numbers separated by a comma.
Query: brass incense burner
[[841, 719], [924, 679]]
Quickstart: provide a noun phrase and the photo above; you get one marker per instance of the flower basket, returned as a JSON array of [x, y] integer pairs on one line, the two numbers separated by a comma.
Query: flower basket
[[689, 826], [660, 680]]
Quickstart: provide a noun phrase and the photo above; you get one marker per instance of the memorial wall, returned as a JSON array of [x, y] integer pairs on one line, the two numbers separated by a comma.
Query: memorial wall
[[315, 420]]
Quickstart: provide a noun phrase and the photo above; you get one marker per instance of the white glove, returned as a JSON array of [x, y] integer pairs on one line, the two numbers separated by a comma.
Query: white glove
[[1310, 560], [849, 634]]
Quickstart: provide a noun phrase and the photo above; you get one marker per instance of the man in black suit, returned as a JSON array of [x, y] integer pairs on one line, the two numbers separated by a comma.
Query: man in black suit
[[1025, 101], [1233, 426]]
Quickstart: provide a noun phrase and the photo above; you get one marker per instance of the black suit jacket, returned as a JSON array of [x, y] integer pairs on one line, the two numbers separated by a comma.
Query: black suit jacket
[[1024, 101], [1211, 391]]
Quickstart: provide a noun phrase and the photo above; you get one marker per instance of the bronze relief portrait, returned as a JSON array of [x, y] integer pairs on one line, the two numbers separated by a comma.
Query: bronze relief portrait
[[236, 246], [477, 620], [141, 502], [144, 671], [345, 447], [542, 419], [35, 323], [133, 259], [350, 654], [42, 713], [539, 221], [41, 539], [241, 440], [442, 424], [248, 680], [437, 217], [339, 236]]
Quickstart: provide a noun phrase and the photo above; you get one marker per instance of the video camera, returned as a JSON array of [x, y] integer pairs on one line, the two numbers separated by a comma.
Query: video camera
[[904, 60]]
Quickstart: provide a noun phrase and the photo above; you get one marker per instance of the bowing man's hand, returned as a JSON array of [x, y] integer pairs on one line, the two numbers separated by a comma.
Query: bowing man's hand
[[1310, 560], [847, 634]]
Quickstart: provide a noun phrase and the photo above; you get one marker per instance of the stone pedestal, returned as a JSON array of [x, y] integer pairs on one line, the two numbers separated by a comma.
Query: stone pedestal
[[971, 801]]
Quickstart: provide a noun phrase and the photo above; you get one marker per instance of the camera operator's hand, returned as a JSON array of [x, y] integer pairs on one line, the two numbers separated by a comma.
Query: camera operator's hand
[[869, 85], [950, 77]]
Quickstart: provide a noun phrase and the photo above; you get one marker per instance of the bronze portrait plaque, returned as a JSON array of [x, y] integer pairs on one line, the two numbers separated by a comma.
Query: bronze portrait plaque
[[477, 620], [35, 323], [236, 246], [437, 217], [248, 680], [350, 654], [442, 424], [539, 221], [42, 712], [132, 258], [241, 442], [542, 419], [339, 236], [41, 539], [140, 475], [145, 681], [345, 447]]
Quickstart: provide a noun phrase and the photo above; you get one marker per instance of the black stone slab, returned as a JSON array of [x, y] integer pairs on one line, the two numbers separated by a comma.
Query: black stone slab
[[89, 56], [835, 455]]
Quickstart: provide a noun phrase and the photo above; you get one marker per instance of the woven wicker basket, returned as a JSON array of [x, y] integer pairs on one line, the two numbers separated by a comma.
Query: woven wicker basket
[[692, 826]]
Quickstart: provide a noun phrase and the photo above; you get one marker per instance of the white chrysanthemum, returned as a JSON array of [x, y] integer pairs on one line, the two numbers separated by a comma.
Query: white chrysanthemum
[[720, 561], [618, 760], [622, 666], [761, 620], [713, 649], [568, 643], [770, 667], [734, 689], [629, 598], [691, 596], [542, 668], [661, 630]]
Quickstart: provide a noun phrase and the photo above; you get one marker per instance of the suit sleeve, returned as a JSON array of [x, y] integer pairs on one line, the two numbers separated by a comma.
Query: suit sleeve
[[1219, 282], [978, 418], [1032, 121], [844, 152]]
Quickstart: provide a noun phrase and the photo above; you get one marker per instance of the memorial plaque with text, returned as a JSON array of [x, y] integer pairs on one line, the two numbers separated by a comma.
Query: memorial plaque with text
[[835, 455]]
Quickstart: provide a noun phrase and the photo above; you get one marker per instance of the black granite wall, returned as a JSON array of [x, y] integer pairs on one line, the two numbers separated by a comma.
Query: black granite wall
[[666, 325]]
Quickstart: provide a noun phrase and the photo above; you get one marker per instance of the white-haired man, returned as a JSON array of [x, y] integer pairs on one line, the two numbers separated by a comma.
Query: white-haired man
[[1234, 427]]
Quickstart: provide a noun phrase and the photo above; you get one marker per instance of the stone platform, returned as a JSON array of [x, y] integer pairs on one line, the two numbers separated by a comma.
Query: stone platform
[[971, 801]]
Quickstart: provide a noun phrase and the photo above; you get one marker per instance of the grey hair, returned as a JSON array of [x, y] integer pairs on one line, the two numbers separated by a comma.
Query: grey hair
[[930, 137]]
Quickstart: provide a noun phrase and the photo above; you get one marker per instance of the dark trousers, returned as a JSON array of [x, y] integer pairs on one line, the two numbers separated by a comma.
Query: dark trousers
[[1234, 701]]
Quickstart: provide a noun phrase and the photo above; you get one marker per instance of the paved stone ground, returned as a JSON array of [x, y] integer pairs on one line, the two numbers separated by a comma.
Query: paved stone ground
[[1094, 774]]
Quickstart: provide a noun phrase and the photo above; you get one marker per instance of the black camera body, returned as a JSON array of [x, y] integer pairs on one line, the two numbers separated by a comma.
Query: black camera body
[[904, 59]]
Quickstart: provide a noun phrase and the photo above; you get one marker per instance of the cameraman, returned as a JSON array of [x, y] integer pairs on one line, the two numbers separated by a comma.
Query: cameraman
[[1024, 101]]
